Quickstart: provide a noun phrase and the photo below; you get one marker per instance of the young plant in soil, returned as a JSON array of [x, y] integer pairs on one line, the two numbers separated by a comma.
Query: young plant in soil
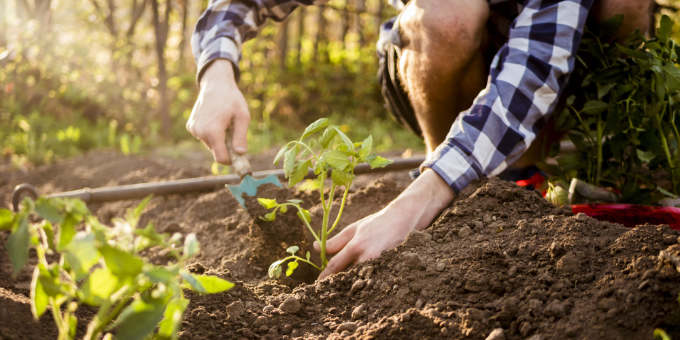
[[328, 151], [623, 120], [80, 260]]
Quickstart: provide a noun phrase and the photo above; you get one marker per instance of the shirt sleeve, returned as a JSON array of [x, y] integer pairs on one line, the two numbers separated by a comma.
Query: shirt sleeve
[[526, 78], [227, 24]]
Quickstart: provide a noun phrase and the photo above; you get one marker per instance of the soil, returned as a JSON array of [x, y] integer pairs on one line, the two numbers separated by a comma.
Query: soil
[[499, 263]]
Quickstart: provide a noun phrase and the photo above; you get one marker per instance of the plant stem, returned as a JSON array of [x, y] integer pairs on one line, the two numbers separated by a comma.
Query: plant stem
[[295, 257], [316, 237], [61, 327], [598, 169], [342, 207]]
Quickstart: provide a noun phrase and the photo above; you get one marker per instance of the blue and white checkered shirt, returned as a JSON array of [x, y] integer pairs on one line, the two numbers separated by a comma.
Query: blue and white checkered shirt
[[527, 76]]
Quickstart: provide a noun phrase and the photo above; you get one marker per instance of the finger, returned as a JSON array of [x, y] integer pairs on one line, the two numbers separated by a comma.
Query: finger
[[337, 242], [240, 137], [340, 261], [218, 147]]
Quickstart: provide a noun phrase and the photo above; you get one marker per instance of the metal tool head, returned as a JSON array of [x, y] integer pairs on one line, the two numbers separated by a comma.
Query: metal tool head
[[249, 185]]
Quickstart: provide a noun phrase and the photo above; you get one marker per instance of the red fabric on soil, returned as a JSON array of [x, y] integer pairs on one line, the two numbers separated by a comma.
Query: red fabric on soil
[[631, 215]]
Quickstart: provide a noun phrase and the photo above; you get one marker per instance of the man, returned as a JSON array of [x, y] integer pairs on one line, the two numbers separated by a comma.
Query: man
[[435, 65]]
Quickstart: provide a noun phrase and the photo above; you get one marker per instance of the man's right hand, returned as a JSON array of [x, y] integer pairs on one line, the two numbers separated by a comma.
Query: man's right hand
[[219, 106]]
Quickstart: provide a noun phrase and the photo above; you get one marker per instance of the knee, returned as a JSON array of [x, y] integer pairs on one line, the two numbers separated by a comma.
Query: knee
[[637, 14], [444, 28]]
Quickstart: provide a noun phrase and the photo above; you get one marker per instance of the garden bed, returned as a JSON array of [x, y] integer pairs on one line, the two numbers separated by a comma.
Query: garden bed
[[499, 257]]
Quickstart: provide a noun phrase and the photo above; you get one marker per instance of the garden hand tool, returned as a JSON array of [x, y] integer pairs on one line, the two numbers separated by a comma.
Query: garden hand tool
[[248, 185]]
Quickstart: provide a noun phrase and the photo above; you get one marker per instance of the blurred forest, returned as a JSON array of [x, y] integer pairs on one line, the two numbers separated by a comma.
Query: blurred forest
[[78, 75]]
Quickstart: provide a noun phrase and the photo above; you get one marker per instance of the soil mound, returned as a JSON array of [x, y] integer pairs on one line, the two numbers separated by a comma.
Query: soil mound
[[500, 260]]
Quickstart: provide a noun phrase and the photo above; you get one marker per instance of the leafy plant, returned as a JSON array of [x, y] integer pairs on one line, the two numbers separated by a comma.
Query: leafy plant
[[623, 120], [103, 267], [325, 149]]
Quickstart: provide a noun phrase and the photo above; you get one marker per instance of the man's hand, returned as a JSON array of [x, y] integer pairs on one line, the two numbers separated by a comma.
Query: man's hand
[[220, 105], [414, 208]]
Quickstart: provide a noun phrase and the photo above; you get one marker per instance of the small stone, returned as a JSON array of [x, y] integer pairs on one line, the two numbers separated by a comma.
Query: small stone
[[290, 305], [348, 326], [556, 308], [357, 286], [366, 272], [412, 260], [235, 310], [464, 232], [440, 266], [268, 309], [420, 303], [496, 334], [359, 311], [512, 271]]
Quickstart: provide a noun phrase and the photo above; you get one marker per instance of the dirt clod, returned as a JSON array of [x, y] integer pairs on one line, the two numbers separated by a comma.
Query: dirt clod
[[290, 305]]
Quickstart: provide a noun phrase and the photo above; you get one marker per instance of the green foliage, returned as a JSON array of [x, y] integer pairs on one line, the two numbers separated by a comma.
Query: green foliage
[[81, 261], [323, 148], [624, 119]]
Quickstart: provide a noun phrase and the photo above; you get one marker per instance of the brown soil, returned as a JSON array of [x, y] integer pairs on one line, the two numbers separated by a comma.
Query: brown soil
[[499, 257]]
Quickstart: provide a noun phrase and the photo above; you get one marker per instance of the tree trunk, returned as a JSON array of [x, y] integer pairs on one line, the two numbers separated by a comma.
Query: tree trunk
[[161, 27], [345, 23], [183, 42], [3, 22], [283, 45], [301, 34], [320, 40]]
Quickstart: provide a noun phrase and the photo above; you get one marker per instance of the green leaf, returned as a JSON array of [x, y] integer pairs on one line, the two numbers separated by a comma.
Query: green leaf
[[269, 217], [280, 154], [595, 107], [283, 209], [665, 28], [213, 284], [344, 138], [39, 298], [160, 274], [660, 334], [310, 185], [48, 210], [81, 254], [289, 162], [172, 318], [315, 127], [645, 156], [304, 215], [190, 282], [267, 203], [274, 271], [299, 173], [191, 246], [292, 250], [120, 262], [341, 177], [6, 219], [366, 148], [295, 201], [336, 159], [139, 319], [292, 265], [327, 137], [99, 286], [67, 230], [378, 162], [18, 245]]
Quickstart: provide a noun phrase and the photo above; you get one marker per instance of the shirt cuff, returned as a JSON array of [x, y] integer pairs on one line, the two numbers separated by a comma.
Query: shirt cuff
[[454, 166], [220, 48]]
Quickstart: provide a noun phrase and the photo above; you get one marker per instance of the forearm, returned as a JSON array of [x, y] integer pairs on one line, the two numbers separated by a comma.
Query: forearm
[[423, 200], [226, 24], [526, 79]]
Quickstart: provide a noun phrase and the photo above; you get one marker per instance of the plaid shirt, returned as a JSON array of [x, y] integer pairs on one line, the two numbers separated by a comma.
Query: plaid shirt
[[526, 78]]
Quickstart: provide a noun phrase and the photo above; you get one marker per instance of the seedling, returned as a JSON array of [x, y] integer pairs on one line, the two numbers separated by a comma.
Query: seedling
[[623, 120], [103, 267], [331, 155]]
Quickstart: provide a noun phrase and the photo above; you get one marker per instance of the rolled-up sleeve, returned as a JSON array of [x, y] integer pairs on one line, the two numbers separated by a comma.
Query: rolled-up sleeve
[[227, 24], [527, 77]]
